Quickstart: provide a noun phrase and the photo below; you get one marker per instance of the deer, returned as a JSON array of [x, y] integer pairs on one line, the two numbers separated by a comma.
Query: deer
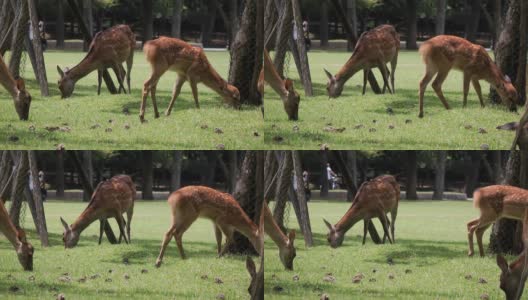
[[495, 202], [192, 202], [17, 238], [445, 52], [110, 199], [283, 87], [285, 243], [190, 64], [374, 198], [108, 49], [374, 49], [256, 287], [17, 89]]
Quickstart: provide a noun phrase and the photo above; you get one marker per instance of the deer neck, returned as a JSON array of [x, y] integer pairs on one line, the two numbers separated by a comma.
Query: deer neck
[[88, 216], [352, 216], [246, 227], [353, 65], [7, 227], [271, 76], [7, 80], [85, 67], [213, 80], [274, 231]]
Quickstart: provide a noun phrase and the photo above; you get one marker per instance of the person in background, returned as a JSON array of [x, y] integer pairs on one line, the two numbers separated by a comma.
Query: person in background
[[306, 182], [331, 176], [42, 34], [306, 32], [42, 185]]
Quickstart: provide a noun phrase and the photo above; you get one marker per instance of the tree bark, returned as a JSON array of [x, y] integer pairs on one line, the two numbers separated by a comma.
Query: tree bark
[[323, 24], [473, 14], [520, 82], [351, 12], [59, 25], [284, 182], [20, 182], [208, 25], [324, 174], [301, 199], [233, 16], [88, 167], [440, 169], [412, 23], [283, 35], [233, 169], [88, 19], [176, 169], [37, 200], [20, 31], [176, 18], [441, 6], [59, 174], [148, 175], [148, 20], [301, 48], [412, 179], [472, 172]]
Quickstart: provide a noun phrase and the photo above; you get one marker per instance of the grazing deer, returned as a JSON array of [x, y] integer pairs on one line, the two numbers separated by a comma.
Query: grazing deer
[[374, 198], [17, 237], [190, 63], [445, 52], [256, 287], [374, 49], [110, 199], [191, 202], [285, 244], [17, 89], [284, 88], [495, 202], [108, 49]]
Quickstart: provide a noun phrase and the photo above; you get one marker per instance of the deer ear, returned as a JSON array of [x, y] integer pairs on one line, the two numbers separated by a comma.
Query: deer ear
[[250, 266], [291, 236], [328, 224], [507, 79], [21, 234], [61, 73], [288, 83], [328, 74], [503, 264], [64, 224], [20, 85]]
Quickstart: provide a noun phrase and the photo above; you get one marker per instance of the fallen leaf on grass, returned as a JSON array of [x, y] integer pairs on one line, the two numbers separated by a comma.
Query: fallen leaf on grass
[[334, 129]]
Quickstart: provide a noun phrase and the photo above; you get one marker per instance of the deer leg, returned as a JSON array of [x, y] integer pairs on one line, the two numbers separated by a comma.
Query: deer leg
[[218, 235], [383, 68], [175, 93], [101, 229], [99, 81], [365, 79], [121, 224], [437, 86], [467, 80], [117, 71], [154, 103], [129, 63], [394, 63], [228, 232], [384, 223], [394, 213], [366, 223], [479, 232], [168, 236], [130, 212], [423, 86], [478, 89], [471, 227], [195, 92]]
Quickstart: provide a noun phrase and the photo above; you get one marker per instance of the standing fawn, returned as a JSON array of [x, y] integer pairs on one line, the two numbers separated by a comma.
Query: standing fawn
[[256, 287], [17, 238], [192, 202], [374, 49], [109, 49], [374, 199], [17, 89], [110, 199], [283, 87], [495, 202], [190, 63], [287, 250], [444, 52]]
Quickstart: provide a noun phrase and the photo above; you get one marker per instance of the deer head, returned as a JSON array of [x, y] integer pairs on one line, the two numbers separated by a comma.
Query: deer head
[[231, 95], [333, 87], [508, 93], [66, 83], [288, 253], [511, 278], [70, 238], [334, 237], [291, 103], [22, 100], [24, 251]]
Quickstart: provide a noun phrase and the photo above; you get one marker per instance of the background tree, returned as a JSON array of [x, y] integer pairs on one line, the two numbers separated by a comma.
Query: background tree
[[148, 20], [411, 174], [441, 7], [412, 23], [147, 175]]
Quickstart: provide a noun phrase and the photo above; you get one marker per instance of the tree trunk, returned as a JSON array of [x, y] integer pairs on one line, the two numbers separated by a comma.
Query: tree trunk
[[412, 179], [148, 20], [301, 48], [176, 169], [441, 6], [352, 166], [323, 24], [6, 169], [88, 19], [211, 157], [347, 175], [324, 174], [473, 15], [412, 22], [88, 167], [233, 169], [440, 169], [472, 172], [59, 25], [235, 20], [208, 25], [284, 182], [283, 35], [176, 18], [20, 31], [148, 175], [20, 182], [37, 200], [59, 174], [351, 12], [498, 171], [6, 23], [520, 82], [301, 199], [497, 17]]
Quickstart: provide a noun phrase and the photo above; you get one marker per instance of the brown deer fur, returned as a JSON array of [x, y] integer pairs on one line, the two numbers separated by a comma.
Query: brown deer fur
[[17, 238], [256, 287], [495, 202], [283, 87], [17, 89], [285, 243], [374, 49], [110, 199], [445, 52], [192, 202], [108, 49], [374, 199], [190, 63]]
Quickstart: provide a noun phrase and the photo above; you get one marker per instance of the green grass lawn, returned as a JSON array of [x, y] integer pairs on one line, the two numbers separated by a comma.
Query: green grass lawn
[[175, 279], [85, 110], [431, 242], [440, 129]]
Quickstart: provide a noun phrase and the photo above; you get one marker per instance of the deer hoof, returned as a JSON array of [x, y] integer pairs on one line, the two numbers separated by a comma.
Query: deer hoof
[[158, 263], [157, 115], [167, 113], [142, 119], [470, 253], [421, 115]]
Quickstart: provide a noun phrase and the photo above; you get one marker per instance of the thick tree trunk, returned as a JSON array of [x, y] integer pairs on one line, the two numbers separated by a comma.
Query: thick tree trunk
[[473, 15], [351, 12], [498, 171], [6, 25], [412, 23], [176, 169], [148, 175], [323, 24], [88, 167], [412, 179], [301, 199], [176, 18], [324, 174], [301, 48], [472, 172], [233, 170], [19, 184], [20, 31], [208, 25], [283, 35], [210, 172], [59, 174], [520, 82], [40, 219], [284, 183], [352, 166], [497, 18], [148, 20], [59, 25], [440, 169], [233, 16], [88, 19], [441, 6]]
